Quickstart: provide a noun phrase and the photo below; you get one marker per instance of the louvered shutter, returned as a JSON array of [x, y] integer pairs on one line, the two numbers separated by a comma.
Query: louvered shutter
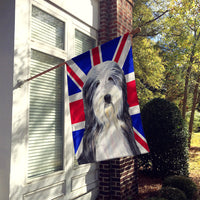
[[46, 28], [45, 138], [83, 42], [45, 144]]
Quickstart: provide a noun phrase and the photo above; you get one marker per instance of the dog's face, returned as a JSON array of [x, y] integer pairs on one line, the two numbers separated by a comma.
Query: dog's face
[[108, 127], [103, 91]]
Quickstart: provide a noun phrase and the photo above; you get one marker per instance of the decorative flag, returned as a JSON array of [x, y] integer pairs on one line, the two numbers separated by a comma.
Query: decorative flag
[[104, 107]]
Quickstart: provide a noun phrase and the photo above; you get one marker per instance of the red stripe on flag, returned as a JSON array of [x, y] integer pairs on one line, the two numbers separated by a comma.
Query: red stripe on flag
[[141, 141], [120, 49], [96, 56], [74, 76], [132, 98], [77, 111]]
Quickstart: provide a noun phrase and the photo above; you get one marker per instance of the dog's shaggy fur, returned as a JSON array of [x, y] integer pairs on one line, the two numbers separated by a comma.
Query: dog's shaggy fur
[[108, 127]]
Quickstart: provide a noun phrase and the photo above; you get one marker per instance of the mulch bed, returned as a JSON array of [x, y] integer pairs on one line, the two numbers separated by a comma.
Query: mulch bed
[[148, 186]]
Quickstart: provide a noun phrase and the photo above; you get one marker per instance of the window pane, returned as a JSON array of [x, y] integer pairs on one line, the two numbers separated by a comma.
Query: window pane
[[46, 28], [83, 42], [45, 141]]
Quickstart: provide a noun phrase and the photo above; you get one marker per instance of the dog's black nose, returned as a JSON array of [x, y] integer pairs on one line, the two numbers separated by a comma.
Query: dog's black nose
[[107, 98]]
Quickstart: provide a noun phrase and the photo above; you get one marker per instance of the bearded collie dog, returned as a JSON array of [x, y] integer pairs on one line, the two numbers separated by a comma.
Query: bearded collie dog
[[108, 127]]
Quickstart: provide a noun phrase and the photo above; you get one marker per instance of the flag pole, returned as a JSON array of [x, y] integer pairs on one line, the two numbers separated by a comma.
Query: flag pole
[[20, 83], [133, 33]]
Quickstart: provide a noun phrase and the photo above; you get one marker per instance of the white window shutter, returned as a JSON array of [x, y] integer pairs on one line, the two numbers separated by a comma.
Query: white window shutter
[[83, 42], [45, 143], [47, 29]]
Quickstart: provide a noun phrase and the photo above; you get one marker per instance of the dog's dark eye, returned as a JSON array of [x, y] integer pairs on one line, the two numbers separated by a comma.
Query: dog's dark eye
[[97, 84], [110, 79]]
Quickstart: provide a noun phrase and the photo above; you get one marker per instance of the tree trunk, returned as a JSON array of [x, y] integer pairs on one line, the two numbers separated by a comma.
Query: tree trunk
[[185, 91], [188, 74], [198, 99], [194, 103]]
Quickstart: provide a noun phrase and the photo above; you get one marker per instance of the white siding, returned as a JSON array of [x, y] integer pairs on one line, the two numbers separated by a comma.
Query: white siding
[[87, 11], [6, 88]]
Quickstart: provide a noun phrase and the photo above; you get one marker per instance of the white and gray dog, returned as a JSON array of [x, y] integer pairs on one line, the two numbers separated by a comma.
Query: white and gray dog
[[108, 127]]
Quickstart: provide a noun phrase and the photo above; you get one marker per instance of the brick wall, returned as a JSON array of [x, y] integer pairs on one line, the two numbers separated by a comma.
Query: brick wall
[[118, 177], [115, 18]]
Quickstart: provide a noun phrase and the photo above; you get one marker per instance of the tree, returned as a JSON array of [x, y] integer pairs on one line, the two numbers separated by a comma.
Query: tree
[[174, 72], [180, 43], [149, 67], [195, 98], [175, 27], [184, 31]]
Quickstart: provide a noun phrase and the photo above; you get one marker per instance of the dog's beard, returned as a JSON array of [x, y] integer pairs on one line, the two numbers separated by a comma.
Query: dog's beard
[[107, 112], [110, 115]]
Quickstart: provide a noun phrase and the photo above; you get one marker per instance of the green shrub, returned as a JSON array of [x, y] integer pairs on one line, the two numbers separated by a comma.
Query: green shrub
[[183, 183], [167, 138], [171, 193]]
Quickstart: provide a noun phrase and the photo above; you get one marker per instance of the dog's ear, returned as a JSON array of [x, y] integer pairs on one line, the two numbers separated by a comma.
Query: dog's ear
[[124, 113], [88, 154]]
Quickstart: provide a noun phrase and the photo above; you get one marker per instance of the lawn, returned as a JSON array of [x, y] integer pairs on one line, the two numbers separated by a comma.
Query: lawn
[[194, 160], [195, 142]]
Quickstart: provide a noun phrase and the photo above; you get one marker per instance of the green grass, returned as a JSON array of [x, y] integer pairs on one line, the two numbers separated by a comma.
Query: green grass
[[195, 141], [194, 159]]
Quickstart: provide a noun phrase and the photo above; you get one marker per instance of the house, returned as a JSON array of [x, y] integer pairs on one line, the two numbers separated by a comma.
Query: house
[[36, 151]]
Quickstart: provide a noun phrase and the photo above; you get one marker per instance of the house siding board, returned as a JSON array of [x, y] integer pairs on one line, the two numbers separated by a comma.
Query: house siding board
[[6, 89]]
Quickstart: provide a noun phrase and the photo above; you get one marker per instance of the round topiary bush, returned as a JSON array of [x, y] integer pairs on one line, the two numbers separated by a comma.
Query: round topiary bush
[[171, 193], [183, 183], [167, 138]]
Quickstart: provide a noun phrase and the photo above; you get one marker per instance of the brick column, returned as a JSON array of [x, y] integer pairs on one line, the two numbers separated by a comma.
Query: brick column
[[115, 19], [117, 177]]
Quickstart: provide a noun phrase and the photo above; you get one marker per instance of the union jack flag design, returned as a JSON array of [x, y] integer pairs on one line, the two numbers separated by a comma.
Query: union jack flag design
[[118, 50]]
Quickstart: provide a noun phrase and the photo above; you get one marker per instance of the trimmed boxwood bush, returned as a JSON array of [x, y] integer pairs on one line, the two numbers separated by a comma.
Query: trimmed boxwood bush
[[183, 183], [167, 138], [171, 193]]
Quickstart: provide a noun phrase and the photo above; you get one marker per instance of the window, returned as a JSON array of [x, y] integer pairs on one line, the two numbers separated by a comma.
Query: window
[[83, 42], [46, 104], [46, 107]]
